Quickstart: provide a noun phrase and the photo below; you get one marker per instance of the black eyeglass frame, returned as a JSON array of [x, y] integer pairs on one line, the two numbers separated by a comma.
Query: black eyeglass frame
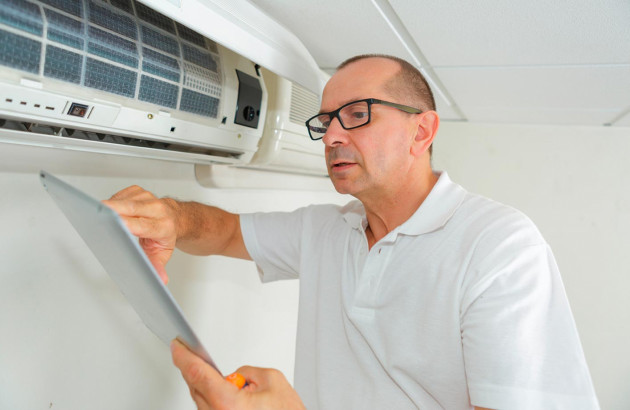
[[369, 101]]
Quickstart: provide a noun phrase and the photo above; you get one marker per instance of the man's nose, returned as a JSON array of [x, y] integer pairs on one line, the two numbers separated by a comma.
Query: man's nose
[[335, 134]]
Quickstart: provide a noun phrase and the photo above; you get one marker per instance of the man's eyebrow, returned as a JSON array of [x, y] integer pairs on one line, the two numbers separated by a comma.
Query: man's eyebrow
[[349, 100]]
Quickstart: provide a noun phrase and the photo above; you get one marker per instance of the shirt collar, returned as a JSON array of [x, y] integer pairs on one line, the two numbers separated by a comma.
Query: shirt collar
[[437, 208]]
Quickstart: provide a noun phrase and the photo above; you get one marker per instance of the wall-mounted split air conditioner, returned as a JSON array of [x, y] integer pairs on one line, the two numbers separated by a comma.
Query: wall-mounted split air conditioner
[[118, 77]]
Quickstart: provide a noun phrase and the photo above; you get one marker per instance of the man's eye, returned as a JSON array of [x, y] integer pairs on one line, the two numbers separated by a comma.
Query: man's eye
[[359, 114], [324, 120]]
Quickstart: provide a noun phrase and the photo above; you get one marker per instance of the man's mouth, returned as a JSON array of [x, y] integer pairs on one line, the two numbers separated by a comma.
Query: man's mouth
[[342, 164], [341, 158]]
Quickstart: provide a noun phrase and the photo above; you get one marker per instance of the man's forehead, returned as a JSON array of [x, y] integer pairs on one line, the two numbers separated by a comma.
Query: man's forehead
[[361, 79]]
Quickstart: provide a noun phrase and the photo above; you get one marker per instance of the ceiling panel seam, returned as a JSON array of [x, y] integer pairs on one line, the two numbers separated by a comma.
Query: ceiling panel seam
[[618, 117], [391, 18], [519, 66]]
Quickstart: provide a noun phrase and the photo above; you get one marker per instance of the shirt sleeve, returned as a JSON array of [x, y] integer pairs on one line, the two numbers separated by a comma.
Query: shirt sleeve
[[273, 241], [521, 346]]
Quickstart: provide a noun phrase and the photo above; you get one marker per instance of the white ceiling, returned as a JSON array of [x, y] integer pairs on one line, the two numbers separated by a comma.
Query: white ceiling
[[535, 61]]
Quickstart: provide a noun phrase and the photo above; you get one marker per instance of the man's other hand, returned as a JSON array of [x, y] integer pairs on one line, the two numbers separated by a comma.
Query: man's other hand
[[265, 389]]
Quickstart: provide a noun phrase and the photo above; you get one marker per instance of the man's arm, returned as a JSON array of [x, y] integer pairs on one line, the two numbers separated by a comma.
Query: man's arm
[[164, 223], [207, 230]]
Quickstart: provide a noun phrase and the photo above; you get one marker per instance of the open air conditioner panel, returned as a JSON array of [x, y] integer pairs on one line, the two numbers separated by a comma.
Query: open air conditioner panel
[[122, 70]]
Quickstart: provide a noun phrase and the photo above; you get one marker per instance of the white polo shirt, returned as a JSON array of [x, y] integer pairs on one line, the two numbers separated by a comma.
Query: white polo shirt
[[460, 305]]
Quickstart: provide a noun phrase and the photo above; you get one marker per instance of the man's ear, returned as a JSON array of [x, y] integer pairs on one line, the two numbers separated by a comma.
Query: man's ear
[[428, 123]]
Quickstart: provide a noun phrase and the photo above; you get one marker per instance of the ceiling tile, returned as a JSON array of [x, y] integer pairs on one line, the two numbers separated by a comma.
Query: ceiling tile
[[335, 30], [600, 90], [490, 32]]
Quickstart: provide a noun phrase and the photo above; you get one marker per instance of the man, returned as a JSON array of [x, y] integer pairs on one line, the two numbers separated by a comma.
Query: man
[[419, 294]]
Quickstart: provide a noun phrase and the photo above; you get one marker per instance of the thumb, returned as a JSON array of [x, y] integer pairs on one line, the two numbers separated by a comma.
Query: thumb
[[206, 384], [158, 256], [161, 271]]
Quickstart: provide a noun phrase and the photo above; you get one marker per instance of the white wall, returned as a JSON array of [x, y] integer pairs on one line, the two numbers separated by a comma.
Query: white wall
[[71, 341], [574, 183]]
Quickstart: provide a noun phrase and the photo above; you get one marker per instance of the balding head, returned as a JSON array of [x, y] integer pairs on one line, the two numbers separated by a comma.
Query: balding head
[[408, 84]]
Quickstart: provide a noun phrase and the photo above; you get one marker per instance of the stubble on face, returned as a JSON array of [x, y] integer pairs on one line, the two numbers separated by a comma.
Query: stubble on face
[[356, 161], [342, 162]]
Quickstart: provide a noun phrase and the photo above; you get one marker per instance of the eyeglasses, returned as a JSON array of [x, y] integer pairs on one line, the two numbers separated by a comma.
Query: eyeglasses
[[353, 115]]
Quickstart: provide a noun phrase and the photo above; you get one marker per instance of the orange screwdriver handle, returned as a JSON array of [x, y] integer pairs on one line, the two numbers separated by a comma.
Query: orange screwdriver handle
[[237, 379]]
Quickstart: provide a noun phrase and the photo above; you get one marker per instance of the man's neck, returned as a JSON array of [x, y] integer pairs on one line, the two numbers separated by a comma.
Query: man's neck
[[386, 211]]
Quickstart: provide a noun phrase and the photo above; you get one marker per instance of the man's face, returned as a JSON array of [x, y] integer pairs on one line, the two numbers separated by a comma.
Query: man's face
[[374, 159]]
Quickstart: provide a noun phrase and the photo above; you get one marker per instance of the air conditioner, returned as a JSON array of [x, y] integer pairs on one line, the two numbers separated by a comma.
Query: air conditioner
[[118, 77], [285, 144]]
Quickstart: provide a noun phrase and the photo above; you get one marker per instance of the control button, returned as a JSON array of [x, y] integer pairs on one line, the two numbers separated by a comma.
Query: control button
[[78, 110]]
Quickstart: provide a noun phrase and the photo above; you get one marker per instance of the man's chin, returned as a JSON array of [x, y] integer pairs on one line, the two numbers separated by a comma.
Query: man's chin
[[343, 186]]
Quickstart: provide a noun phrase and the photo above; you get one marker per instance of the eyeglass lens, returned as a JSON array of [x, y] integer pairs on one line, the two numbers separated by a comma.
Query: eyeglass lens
[[351, 116]]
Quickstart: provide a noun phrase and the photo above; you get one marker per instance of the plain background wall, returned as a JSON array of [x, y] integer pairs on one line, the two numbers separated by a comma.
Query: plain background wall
[[573, 183], [70, 340]]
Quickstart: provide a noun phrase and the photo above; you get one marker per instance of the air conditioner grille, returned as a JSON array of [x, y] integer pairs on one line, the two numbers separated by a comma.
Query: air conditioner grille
[[160, 65], [19, 52], [112, 47], [63, 64], [160, 41], [158, 92], [153, 17], [69, 6], [116, 22], [22, 15], [110, 78], [304, 104], [117, 46], [190, 35], [65, 30], [198, 103]]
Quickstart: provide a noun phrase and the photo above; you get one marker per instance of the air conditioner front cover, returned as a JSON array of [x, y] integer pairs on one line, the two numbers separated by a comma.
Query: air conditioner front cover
[[285, 145]]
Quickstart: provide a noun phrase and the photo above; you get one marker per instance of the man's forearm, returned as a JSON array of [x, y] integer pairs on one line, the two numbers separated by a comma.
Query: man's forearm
[[207, 230]]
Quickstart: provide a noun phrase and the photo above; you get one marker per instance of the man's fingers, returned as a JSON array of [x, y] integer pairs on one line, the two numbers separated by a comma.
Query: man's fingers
[[252, 375], [271, 388], [146, 219], [259, 378], [132, 192], [151, 220], [144, 227], [134, 207], [199, 375], [207, 387]]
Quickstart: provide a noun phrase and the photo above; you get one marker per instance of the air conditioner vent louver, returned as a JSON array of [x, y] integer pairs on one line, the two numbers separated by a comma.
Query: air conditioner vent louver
[[304, 104], [31, 133]]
